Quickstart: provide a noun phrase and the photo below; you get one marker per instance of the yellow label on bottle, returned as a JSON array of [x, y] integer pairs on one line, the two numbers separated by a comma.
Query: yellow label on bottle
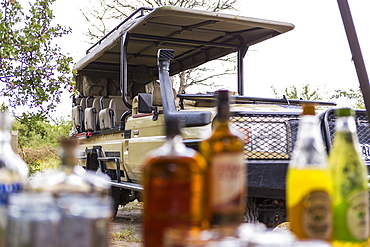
[[357, 215], [228, 176], [317, 216]]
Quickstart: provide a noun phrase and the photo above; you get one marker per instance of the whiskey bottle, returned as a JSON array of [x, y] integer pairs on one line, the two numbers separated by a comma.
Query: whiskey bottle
[[173, 187], [226, 173]]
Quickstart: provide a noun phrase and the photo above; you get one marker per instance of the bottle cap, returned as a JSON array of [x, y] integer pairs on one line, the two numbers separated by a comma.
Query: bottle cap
[[344, 112], [308, 110]]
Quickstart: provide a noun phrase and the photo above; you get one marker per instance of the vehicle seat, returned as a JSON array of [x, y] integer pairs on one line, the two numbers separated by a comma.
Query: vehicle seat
[[110, 117], [155, 90], [92, 115], [78, 115]]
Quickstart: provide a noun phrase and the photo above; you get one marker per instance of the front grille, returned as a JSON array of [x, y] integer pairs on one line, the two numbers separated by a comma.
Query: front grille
[[267, 136]]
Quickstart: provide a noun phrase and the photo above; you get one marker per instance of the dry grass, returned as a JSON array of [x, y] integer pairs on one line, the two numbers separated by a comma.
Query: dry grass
[[132, 206], [42, 158], [128, 235]]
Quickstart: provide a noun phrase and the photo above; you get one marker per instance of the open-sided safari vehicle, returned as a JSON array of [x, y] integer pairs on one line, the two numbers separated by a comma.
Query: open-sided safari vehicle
[[126, 92]]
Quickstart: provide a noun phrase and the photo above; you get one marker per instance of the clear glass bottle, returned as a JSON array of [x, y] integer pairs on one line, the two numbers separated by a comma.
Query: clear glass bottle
[[82, 198], [71, 178], [350, 189], [13, 171], [308, 184], [226, 174], [173, 187]]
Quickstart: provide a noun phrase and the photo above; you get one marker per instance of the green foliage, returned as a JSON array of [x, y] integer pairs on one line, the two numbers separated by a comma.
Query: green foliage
[[38, 147], [34, 72], [305, 93], [45, 134], [354, 95]]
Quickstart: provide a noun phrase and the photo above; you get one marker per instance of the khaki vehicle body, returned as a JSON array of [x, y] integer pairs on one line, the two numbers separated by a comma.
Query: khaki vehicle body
[[126, 93]]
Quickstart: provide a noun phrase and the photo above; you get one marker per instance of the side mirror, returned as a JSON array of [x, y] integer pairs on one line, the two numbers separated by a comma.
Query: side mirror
[[145, 103]]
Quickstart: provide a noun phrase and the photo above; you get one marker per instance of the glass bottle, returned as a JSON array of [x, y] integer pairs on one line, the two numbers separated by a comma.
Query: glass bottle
[[173, 187], [82, 198], [308, 184], [350, 189], [13, 171], [71, 178], [226, 173]]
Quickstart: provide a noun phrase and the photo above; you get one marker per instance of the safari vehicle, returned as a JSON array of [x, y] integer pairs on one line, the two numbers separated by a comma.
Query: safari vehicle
[[126, 93]]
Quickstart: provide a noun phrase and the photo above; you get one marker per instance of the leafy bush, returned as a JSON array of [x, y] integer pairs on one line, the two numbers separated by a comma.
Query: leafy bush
[[38, 147]]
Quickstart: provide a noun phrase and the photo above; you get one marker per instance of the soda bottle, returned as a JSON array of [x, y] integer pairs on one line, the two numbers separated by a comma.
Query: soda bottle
[[226, 173], [13, 171], [173, 187], [308, 184], [350, 189]]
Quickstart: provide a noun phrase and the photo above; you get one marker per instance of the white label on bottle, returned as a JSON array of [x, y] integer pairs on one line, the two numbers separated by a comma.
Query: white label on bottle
[[358, 214], [6, 190], [228, 180], [317, 215]]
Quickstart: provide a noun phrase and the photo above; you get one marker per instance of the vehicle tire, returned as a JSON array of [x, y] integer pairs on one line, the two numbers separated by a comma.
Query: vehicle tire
[[115, 193]]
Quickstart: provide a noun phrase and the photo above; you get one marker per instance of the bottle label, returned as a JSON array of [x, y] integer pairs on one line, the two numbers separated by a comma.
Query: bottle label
[[228, 181], [357, 214], [6, 190], [317, 215]]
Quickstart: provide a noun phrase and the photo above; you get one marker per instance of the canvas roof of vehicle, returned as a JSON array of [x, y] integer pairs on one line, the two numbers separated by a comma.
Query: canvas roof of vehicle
[[196, 36]]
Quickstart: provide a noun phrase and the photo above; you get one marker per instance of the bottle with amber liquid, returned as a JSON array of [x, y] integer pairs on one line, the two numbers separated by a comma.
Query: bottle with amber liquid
[[350, 184], [226, 174], [173, 187], [308, 184]]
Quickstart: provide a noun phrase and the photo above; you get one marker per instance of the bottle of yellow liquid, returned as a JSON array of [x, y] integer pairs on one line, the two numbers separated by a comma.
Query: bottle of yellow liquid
[[308, 184], [350, 190], [226, 171]]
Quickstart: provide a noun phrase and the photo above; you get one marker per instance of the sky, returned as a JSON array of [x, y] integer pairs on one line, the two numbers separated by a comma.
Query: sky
[[315, 52]]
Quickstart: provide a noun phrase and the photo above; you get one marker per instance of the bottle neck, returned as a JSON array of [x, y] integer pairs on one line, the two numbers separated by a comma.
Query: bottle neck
[[309, 150], [5, 141], [346, 126], [223, 114], [223, 111], [68, 162], [174, 144]]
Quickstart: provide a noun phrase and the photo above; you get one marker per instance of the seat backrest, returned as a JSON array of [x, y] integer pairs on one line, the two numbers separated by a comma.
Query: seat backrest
[[155, 90], [117, 105], [78, 114], [92, 115]]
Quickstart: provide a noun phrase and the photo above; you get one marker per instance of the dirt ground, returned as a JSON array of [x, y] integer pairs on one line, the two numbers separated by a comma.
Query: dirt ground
[[126, 228]]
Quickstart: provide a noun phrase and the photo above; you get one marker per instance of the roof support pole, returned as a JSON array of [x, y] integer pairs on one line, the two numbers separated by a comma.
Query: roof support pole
[[241, 54], [356, 52], [123, 70]]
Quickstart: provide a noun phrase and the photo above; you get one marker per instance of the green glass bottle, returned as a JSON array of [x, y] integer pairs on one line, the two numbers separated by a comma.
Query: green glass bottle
[[350, 189]]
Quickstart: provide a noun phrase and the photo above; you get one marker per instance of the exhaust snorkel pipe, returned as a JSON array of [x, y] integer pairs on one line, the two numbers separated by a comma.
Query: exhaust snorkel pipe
[[189, 118], [164, 60]]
